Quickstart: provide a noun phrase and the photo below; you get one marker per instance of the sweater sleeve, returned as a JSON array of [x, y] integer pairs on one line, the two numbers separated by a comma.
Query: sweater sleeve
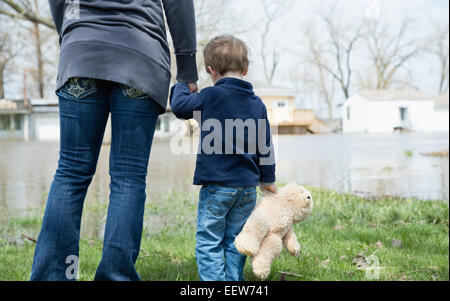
[[183, 103], [266, 152], [181, 19], [57, 8]]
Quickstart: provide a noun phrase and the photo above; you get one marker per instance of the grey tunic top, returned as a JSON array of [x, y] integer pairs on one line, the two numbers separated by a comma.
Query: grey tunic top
[[125, 41]]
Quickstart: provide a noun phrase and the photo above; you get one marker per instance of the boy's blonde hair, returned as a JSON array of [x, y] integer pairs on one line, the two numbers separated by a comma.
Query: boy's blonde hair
[[226, 53]]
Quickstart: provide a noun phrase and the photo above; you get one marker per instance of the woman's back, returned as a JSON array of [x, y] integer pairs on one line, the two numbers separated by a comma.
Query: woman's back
[[125, 41]]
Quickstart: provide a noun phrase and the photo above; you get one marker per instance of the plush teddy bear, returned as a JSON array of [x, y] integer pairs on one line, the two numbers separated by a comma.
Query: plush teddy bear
[[269, 227]]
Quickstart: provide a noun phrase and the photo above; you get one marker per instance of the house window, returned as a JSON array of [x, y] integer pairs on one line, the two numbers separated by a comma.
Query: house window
[[281, 104], [348, 113], [5, 122]]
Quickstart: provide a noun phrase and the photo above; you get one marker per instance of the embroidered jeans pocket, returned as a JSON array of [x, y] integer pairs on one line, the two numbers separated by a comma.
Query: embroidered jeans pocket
[[134, 93], [77, 88]]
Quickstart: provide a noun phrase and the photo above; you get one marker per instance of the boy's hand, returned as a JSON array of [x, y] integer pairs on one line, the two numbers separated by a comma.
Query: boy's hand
[[193, 87], [272, 188]]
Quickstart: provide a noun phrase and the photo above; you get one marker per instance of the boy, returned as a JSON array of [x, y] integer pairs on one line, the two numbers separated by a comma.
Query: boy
[[229, 166]]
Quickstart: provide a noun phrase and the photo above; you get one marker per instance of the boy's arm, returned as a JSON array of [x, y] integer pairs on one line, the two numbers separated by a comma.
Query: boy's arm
[[181, 19], [266, 153], [183, 103]]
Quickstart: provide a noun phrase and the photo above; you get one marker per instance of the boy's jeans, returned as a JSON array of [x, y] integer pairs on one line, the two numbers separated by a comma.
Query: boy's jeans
[[222, 212], [85, 105]]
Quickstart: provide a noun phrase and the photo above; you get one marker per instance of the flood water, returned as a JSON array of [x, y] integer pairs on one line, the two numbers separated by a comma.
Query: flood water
[[366, 164]]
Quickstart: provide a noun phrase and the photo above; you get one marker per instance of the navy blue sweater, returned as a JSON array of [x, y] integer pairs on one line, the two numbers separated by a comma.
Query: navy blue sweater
[[229, 159]]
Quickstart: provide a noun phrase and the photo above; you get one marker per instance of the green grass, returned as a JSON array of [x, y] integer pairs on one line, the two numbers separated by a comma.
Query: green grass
[[341, 227], [409, 153]]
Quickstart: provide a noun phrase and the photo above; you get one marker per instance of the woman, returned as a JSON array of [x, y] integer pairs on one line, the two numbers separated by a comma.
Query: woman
[[114, 59]]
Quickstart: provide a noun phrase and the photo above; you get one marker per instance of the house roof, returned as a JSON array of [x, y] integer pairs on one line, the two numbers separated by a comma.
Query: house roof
[[389, 95], [264, 89], [44, 102], [440, 101]]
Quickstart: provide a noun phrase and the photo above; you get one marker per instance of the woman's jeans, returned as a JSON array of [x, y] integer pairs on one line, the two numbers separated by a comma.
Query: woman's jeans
[[85, 105], [222, 212]]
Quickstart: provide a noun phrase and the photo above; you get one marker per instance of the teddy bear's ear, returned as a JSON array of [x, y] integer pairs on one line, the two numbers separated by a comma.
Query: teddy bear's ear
[[295, 193], [290, 192]]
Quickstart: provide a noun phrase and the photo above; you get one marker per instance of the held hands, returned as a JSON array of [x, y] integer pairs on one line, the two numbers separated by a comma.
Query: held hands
[[193, 87], [272, 188]]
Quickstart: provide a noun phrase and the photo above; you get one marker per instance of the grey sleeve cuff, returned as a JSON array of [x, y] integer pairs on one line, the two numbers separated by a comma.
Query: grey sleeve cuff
[[187, 68], [266, 184]]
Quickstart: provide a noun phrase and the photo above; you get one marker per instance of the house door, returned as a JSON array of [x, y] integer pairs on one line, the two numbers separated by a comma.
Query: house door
[[405, 122]]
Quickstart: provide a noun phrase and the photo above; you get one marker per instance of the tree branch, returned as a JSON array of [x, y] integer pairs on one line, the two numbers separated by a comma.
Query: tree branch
[[25, 14]]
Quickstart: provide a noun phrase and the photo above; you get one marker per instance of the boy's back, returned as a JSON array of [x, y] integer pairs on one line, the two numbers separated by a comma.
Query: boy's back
[[235, 133]]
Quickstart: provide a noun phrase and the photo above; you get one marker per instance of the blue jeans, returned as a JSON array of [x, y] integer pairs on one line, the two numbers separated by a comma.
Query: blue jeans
[[222, 212], [85, 105]]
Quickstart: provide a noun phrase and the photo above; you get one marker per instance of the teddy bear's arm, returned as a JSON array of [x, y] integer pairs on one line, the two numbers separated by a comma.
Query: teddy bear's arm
[[290, 242]]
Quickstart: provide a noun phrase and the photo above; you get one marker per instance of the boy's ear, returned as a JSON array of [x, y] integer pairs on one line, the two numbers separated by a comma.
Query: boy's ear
[[210, 70], [246, 72]]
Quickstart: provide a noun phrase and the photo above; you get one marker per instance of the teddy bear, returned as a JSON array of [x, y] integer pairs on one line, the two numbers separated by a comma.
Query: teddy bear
[[270, 226]]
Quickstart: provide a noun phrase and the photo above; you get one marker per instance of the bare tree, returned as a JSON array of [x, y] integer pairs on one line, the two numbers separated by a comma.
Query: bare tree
[[390, 49], [26, 15], [342, 44], [22, 11], [209, 22], [310, 70], [273, 10], [321, 81], [326, 53], [214, 18], [36, 34], [7, 54], [439, 48]]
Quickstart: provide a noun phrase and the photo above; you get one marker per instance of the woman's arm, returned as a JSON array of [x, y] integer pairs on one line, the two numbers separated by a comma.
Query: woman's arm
[[181, 19], [57, 8]]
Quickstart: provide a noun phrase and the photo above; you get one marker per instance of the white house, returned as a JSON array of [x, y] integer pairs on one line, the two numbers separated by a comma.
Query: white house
[[14, 120], [377, 111], [45, 119]]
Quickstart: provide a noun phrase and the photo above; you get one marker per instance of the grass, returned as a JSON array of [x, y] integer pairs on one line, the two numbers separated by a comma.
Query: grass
[[409, 153], [341, 227]]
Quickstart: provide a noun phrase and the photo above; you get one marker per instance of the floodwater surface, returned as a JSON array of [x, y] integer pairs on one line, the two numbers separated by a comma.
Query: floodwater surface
[[384, 164]]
